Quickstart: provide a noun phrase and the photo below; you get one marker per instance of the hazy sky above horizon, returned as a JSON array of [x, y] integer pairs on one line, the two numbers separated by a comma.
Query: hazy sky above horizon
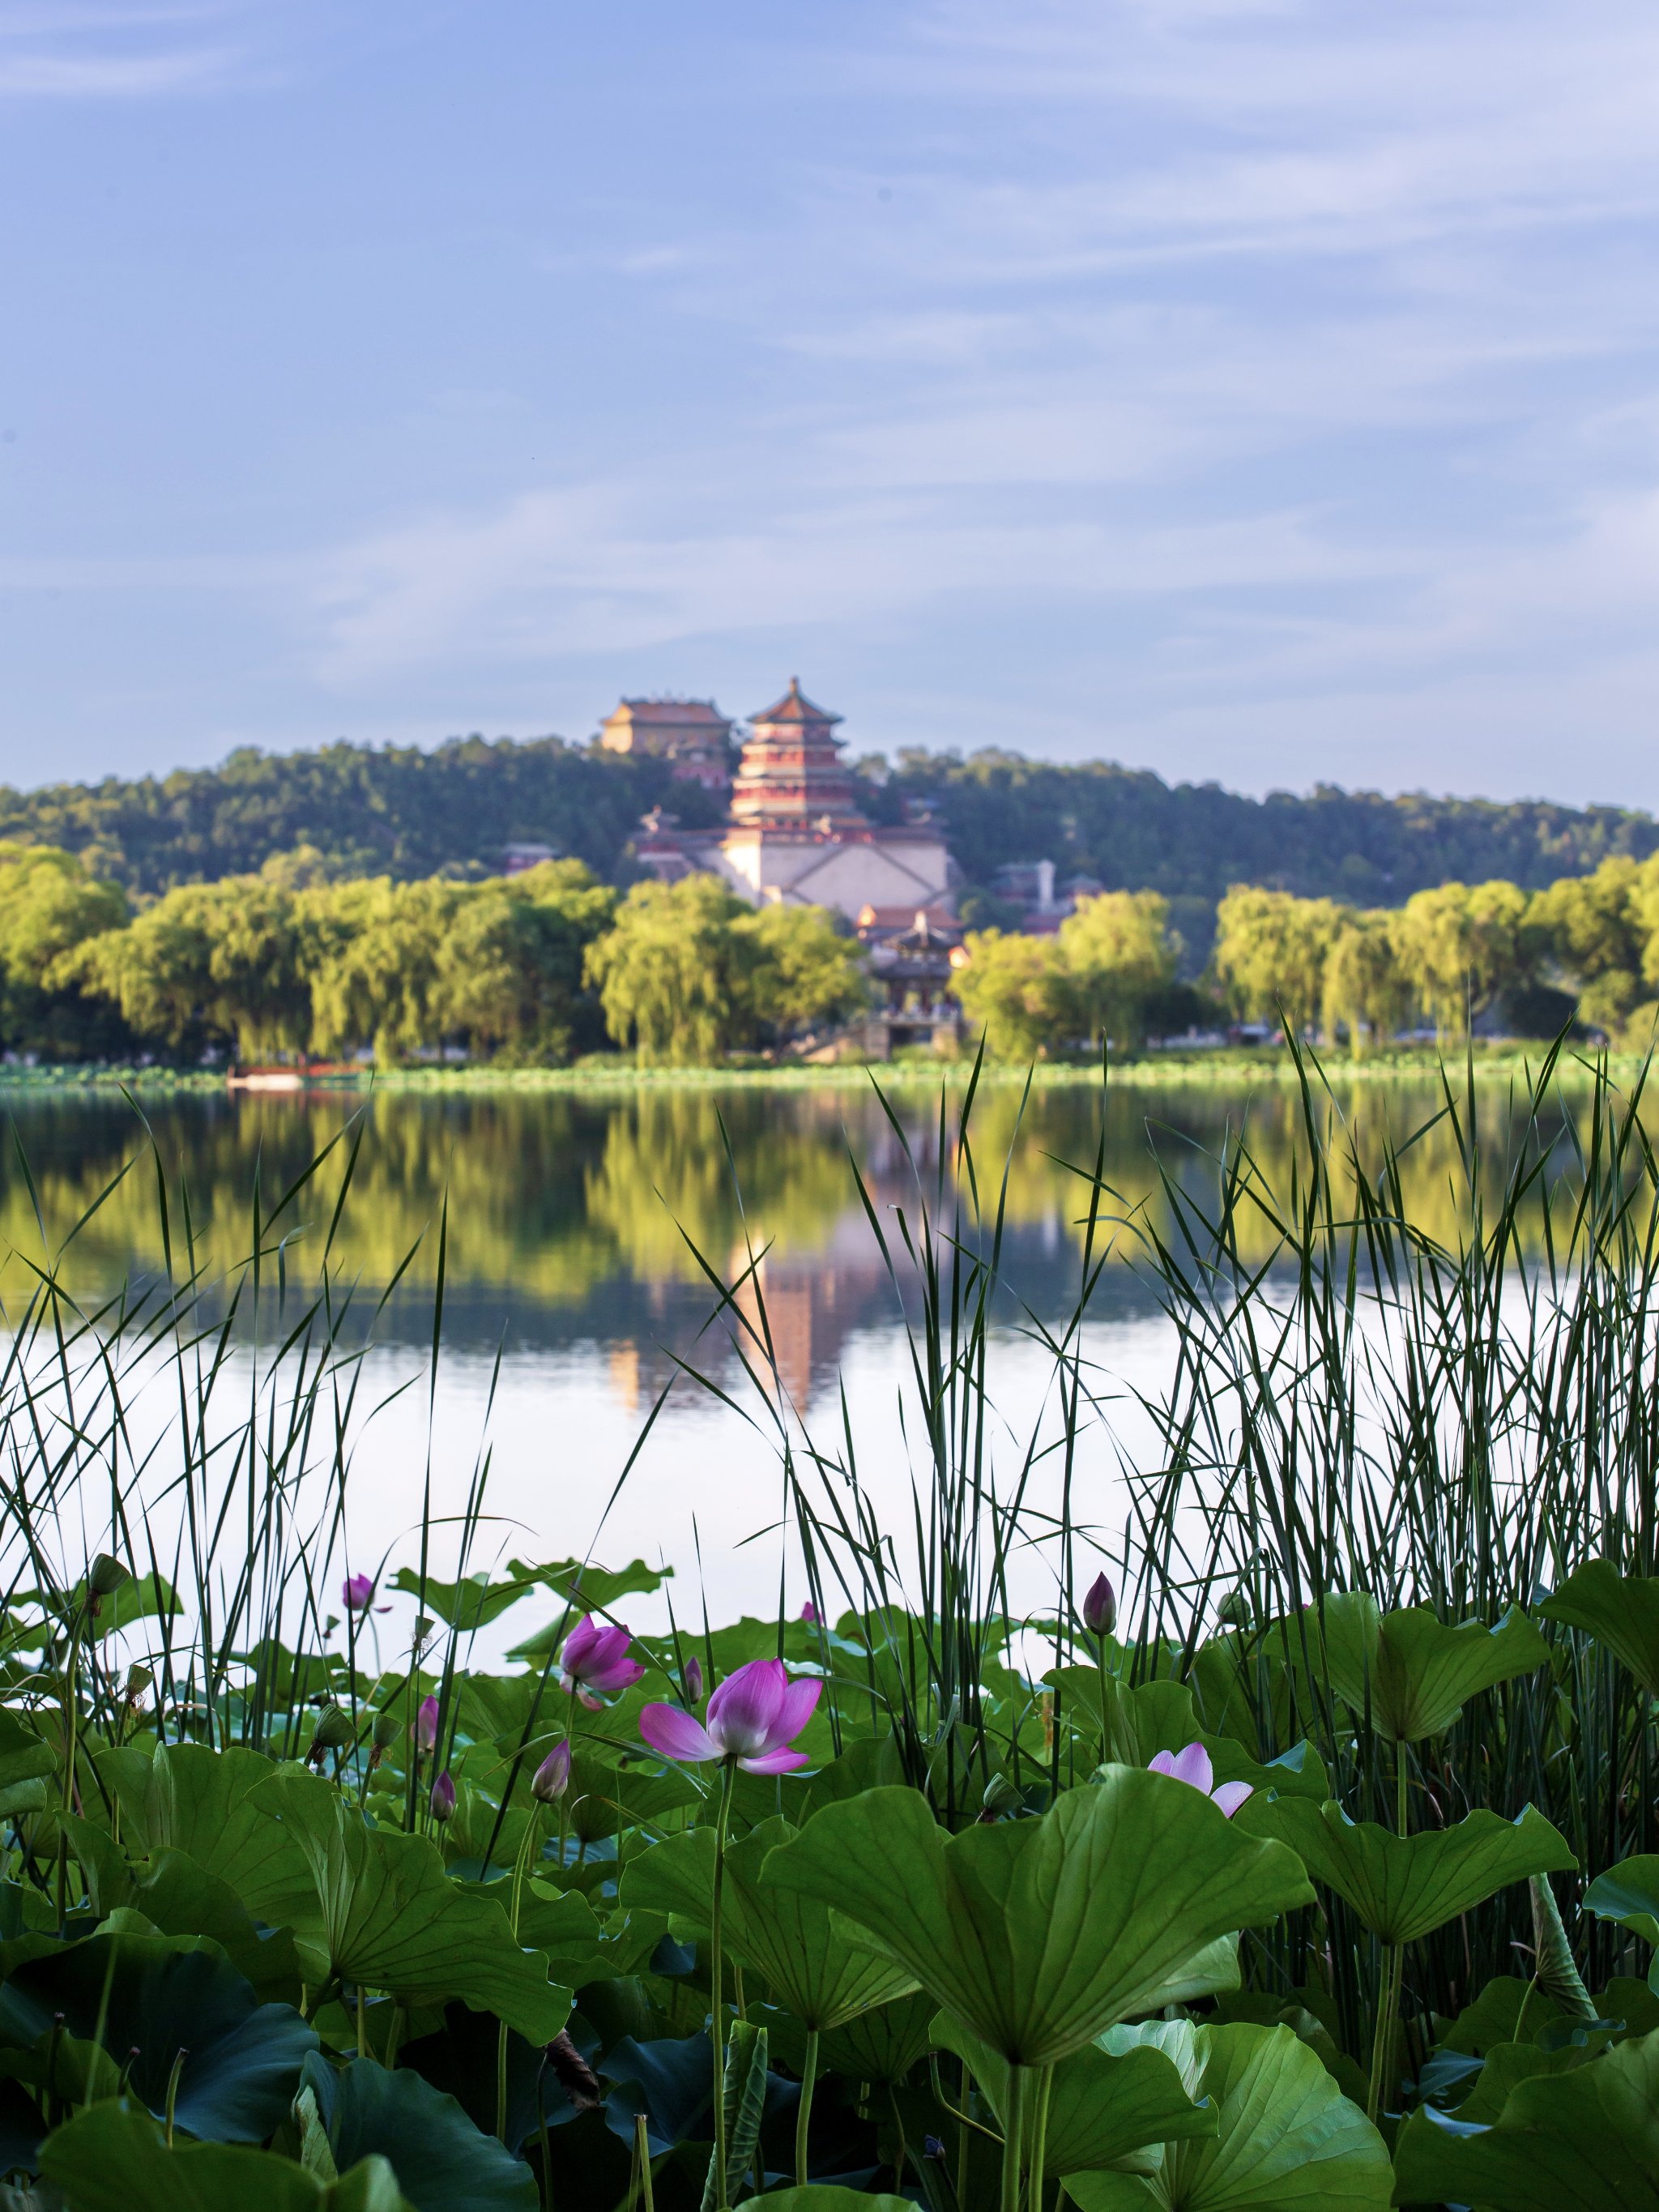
[[1260, 389]]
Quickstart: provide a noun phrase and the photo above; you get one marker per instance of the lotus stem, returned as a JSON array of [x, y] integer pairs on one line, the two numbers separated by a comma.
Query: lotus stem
[[1040, 2135], [716, 1990], [804, 2110], [1013, 2123]]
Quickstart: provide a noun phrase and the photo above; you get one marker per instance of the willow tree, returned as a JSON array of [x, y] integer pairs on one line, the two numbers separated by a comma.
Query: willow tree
[[1121, 954], [673, 975], [1459, 946]]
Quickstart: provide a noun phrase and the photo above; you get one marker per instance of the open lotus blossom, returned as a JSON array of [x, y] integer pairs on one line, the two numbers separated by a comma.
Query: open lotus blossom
[[752, 1717], [1194, 1766], [596, 1661]]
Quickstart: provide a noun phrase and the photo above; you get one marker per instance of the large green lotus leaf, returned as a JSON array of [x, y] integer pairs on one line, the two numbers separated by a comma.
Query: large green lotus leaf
[[26, 1760], [1038, 1934], [467, 1605], [824, 2197], [180, 1898], [1629, 1893], [1586, 2141], [1103, 2106], [200, 1801], [586, 1589], [1621, 1611], [880, 2045], [394, 1920], [1286, 2139], [443, 2163], [1415, 1673], [1404, 1886], [787, 1936], [159, 1996], [111, 2158], [140, 1597]]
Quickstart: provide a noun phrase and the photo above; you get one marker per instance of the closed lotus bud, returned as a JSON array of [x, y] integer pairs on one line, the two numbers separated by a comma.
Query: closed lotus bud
[[552, 1777], [425, 1729], [691, 1678], [443, 1798], [388, 1728], [1100, 1608]]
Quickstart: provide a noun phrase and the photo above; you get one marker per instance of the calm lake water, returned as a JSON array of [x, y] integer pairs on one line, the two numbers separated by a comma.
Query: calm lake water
[[580, 1229]]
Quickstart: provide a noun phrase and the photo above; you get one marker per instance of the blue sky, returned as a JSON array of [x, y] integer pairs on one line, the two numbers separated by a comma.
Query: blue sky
[[1244, 389]]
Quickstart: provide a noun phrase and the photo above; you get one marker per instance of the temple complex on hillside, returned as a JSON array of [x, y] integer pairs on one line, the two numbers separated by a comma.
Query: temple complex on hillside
[[795, 835]]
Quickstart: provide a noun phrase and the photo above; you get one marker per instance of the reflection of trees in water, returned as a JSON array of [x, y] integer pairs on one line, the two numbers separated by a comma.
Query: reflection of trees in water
[[552, 1193]]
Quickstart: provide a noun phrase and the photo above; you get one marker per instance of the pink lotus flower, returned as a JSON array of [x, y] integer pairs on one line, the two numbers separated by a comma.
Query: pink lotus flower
[[811, 1615], [752, 1717], [358, 1593], [691, 1681], [1194, 1766], [443, 1798], [595, 1660], [424, 1728]]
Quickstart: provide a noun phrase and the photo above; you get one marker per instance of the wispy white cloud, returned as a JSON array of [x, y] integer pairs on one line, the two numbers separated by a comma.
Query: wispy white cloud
[[104, 53]]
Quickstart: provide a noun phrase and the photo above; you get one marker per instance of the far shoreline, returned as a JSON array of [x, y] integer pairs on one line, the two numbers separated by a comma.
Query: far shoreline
[[1235, 1066]]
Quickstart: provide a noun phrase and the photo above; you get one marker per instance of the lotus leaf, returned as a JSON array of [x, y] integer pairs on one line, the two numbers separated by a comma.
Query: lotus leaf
[[201, 1802], [392, 1920], [1285, 2136], [1629, 1893], [1586, 2141], [1621, 1611], [179, 1897], [1103, 2105], [26, 1760], [1038, 1934], [1413, 1672], [785, 1936], [1404, 1886], [443, 2162], [159, 1995], [111, 2158]]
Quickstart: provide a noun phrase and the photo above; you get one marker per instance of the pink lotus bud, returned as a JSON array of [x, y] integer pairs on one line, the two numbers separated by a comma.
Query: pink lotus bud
[[358, 1593], [1100, 1608], [811, 1615], [443, 1798], [425, 1730], [691, 1680], [552, 1777]]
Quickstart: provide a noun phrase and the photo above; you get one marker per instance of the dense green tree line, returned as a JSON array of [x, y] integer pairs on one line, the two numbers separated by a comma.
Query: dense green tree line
[[406, 813], [1585, 948], [534, 968]]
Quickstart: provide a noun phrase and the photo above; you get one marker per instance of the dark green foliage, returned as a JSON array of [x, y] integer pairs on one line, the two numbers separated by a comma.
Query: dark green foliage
[[363, 811]]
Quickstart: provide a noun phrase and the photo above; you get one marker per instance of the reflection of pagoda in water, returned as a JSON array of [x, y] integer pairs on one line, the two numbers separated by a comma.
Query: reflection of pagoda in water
[[795, 836]]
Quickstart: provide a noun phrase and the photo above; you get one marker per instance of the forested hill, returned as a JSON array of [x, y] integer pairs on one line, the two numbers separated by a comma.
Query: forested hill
[[1135, 832], [407, 812], [394, 811]]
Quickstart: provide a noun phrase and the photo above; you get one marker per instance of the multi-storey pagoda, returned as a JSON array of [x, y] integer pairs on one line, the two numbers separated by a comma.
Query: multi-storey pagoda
[[796, 835]]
